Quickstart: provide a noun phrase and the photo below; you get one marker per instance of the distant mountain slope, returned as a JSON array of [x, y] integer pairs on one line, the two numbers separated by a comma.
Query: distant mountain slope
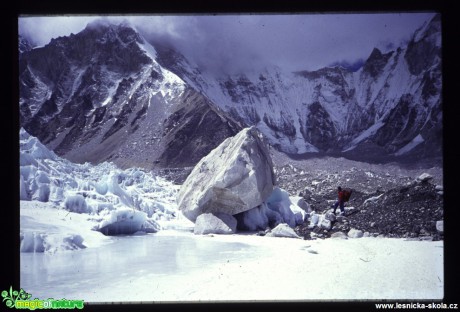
[[390, 107]]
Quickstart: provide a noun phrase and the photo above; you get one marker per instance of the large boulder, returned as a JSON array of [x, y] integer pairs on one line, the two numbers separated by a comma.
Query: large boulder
[[234, 177], [283, 230], [326, 224], [339, 235], [354, 233], [424, 177], [219, 223], [440, 226]]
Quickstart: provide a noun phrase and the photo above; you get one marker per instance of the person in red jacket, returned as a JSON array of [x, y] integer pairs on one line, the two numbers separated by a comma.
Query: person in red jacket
[[340, 201]]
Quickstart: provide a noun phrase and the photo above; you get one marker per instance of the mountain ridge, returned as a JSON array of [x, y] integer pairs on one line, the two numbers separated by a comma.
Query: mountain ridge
[[107, 99], [335, 110], [101, 93]]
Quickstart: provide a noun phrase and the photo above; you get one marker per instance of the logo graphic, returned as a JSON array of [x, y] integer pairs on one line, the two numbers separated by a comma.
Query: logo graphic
[[21, 300]]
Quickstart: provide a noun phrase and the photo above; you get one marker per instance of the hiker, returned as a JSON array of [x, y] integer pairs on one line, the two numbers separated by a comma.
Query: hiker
[[340, 201]]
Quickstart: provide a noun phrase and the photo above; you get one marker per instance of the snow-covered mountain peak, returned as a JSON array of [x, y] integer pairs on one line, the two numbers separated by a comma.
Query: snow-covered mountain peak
[[101, 95], [376, 62], [108, 81], [424, 50], [335, 109], [124, 29], [428, 29]]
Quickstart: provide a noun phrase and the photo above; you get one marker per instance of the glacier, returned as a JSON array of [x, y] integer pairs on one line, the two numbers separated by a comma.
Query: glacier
[[63, 255], [66, 206]]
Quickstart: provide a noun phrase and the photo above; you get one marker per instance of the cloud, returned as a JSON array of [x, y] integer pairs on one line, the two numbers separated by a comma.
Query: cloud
[[40, 29], [241, 42]]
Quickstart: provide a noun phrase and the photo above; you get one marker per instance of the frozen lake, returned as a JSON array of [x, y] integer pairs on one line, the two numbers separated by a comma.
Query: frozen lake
[[175, 266], [144, 262]]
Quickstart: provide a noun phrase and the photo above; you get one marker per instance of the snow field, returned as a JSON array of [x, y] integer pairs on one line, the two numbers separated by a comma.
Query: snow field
[[286, 269], [335, 269], [48, 228]]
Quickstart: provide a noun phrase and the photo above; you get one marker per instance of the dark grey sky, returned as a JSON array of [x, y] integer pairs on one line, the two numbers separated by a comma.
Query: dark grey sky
[[232, 43]]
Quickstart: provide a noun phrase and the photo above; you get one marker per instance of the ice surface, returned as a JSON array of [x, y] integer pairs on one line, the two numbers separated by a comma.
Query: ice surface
[[172, 266], [51, 229], [102, 192], [63, 257]]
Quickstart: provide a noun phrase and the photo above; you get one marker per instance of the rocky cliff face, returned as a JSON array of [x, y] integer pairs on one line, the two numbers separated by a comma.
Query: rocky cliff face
[[100, 95], [24, 45]]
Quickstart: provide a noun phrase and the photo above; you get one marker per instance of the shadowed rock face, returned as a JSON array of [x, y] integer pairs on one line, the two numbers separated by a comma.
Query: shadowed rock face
[[422, 52], [234, 177], [100, 96], [193, 130]]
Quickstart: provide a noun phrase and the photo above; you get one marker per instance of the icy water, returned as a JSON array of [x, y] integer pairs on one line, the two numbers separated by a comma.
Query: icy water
[[127, 262]]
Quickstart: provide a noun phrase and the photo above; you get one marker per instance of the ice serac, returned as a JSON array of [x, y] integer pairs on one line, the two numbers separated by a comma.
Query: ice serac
[[235, 177], [278, 208], [123, 221]]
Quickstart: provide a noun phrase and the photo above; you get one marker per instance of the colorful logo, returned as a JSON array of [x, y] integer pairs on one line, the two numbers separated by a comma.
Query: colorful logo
[[22, 300]]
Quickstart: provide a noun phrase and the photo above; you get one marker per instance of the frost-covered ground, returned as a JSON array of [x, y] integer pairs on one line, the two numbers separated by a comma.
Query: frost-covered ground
[[63, 256], [178, 266]]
